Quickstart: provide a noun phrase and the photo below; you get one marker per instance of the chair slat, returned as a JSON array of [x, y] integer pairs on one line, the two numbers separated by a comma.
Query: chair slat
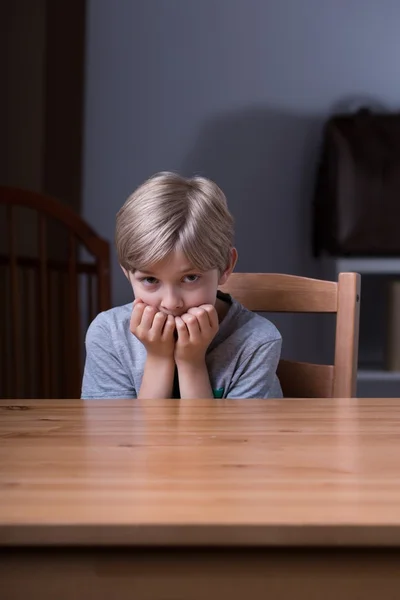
[[305, 380], [73, 326], [4, 354], [53, 342], [276, 292], [16, 350], [103, 284], [63, 337], [27, 327], [34, 334], [44, 308], [90, 299]]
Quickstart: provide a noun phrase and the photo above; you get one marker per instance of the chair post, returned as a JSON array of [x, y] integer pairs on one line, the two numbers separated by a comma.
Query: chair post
[[104, 284], [347, 331]]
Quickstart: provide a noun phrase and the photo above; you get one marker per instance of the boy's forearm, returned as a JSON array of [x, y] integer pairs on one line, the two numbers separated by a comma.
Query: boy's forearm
[[194, 381], [158, 378]]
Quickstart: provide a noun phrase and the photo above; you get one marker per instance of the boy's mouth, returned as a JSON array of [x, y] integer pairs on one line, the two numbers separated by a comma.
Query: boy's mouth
[[172, 315]]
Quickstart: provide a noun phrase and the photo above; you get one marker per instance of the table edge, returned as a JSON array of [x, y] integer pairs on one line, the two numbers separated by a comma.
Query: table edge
[[201, 535]]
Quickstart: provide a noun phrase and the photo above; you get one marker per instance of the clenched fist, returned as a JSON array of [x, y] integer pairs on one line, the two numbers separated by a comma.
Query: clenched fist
[[196, 329], [154, 329]]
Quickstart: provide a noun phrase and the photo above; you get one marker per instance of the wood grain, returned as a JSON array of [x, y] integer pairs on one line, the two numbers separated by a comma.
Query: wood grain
[[236, 472], [278, 292]]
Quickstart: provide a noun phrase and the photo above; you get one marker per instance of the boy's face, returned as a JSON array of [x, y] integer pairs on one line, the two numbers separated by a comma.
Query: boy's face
[[173, 285]]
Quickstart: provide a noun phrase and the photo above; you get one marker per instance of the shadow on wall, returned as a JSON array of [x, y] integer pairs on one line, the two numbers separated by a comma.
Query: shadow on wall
[[265, 161]]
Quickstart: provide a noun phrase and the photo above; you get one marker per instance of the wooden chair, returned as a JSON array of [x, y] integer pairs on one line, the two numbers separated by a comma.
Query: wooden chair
[[269, 292], [51, 294]]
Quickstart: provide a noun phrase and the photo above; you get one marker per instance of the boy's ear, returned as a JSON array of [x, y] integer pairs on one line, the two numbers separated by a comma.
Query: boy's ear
[[125, 272], [232, 262]]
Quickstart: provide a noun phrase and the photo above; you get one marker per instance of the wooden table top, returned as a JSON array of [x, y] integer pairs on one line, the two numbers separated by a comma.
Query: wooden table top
[[200, 472]]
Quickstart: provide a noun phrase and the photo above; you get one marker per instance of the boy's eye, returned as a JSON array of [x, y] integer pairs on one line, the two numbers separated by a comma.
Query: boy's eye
[[149, 280], [191, 278]]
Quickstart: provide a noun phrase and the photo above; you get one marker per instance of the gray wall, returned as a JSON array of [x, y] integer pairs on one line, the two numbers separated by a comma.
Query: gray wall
[[235, 90]]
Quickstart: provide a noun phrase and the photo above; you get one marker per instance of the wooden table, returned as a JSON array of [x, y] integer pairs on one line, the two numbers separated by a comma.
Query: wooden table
[[185, 500]]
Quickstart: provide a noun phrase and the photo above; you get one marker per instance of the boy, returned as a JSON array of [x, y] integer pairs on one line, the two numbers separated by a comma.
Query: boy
[[181, 338]]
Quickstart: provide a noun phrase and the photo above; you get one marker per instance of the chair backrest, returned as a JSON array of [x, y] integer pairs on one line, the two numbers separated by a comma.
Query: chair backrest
[[270, 292], [51, 294]]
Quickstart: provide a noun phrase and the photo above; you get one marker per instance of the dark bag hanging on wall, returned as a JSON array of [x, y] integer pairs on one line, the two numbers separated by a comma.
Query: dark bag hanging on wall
[[357, 197]]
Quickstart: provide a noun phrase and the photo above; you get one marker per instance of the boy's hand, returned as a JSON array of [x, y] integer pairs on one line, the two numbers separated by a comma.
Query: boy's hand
[[196, 329], [154, 329]]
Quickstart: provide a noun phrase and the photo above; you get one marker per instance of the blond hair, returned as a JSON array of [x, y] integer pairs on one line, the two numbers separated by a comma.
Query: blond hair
[[169, 212]]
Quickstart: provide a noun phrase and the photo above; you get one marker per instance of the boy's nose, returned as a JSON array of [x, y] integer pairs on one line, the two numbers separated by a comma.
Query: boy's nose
[[172, 303]]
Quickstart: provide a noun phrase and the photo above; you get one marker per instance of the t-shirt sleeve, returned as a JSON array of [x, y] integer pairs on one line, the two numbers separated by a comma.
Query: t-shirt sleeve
[[104, 375], [255, 376]]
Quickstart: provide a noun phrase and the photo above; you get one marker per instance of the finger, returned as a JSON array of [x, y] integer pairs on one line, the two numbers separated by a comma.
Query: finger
[[212, 315], [183, 333], [158, 324], [169, 328], [148, 316], [137, 301], [193, 326], [136, 316], [202, 317]]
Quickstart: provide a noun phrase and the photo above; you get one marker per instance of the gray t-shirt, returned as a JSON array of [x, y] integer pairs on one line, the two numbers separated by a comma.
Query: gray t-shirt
[[241, 360]]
